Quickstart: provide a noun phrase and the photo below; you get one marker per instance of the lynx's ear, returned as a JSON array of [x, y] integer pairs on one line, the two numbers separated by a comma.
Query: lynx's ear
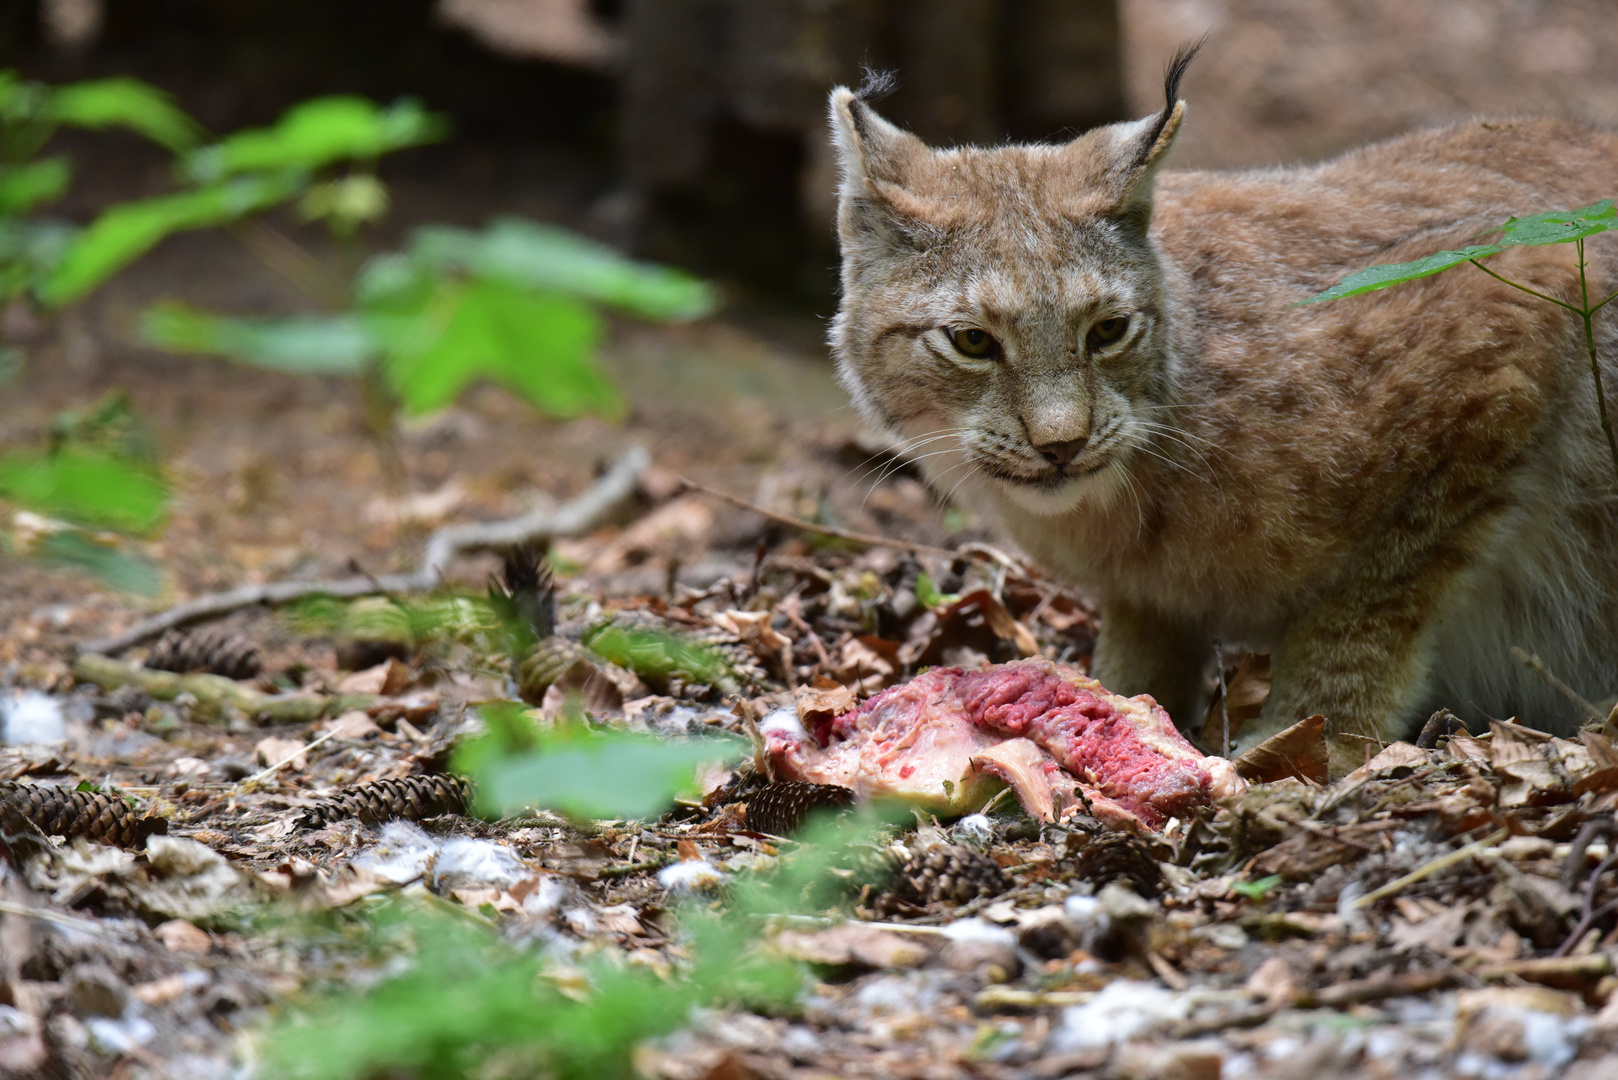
[[876, 160], [1119, 162]]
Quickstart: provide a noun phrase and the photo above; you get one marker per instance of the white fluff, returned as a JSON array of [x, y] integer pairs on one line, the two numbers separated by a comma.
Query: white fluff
[[1122, 1010], [27, 716]]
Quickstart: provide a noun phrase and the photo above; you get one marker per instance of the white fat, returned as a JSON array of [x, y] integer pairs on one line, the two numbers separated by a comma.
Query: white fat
[[783, 723]]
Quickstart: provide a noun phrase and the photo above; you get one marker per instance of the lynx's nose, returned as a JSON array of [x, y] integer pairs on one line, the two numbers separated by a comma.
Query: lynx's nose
[[1060, 453]]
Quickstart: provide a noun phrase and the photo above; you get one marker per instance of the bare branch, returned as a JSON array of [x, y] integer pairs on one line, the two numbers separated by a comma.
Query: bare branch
[[571, 518]]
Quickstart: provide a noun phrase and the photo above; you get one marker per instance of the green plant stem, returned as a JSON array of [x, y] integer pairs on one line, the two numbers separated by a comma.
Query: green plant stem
[[1531, 292], [1595, 368], [1586, 315], [286, 257]]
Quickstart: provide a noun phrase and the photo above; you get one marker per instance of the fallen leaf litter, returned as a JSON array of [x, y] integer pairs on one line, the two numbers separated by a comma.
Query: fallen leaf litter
[[1447, 909]]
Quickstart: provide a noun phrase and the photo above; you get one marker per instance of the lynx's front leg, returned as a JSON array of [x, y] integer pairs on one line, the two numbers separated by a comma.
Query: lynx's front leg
[[1141, 652], [1360, 661]]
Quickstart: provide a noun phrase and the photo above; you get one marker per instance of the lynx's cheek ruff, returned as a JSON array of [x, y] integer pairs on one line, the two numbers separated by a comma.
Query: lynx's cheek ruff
[[1386, 494]]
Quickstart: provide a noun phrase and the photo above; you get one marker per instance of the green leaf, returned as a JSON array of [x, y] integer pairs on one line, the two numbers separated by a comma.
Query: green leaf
[[1256, 890], [126, 103], [304, 344], [116, 569], [609, 775], [1560, 226], [1380, 277], [20, 99], [130, 229], [467, 1004], [318, 133], [30, 251], [1551, 227], [555, 260], [542, 347], [85, 488], [23, 187], [927, 594]]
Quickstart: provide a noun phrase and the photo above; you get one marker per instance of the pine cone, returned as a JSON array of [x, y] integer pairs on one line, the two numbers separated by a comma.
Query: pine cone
[[947, 873], [553, 660], [206, 648], [1115, 856], [94, 815], [412, 798], [779, 808]]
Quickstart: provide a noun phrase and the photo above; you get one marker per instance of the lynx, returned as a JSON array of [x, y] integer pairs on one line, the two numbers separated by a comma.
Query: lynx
[[1387, 493]]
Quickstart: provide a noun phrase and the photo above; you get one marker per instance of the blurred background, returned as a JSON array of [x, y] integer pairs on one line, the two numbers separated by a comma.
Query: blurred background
[[689, 132]]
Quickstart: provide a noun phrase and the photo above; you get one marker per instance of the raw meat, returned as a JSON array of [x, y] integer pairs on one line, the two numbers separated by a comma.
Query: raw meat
[[1060, 740]]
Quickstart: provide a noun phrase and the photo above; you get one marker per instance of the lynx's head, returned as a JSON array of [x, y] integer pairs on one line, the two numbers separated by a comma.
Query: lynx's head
[[1004, 309]]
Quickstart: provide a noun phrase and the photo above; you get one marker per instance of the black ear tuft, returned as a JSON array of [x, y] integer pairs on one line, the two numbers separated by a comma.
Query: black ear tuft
[[876, 85], [1171, 91], [1176, 71]]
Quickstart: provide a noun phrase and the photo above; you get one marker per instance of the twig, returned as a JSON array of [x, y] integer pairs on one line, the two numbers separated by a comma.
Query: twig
[[868, 539], [1590, 912], [1428, 869], [579, 515], [1537, 666], [84, 926], [213, 692]]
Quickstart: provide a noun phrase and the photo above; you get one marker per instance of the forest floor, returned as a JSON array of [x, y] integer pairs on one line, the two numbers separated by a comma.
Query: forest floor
[[1442, 912], [1445, 911]]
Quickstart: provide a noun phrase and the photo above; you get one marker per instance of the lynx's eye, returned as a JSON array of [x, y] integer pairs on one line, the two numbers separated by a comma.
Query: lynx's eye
[[973, 342], [1108, 331]]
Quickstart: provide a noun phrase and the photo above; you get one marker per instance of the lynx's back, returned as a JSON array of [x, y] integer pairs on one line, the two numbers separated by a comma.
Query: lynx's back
[[1388, 492]]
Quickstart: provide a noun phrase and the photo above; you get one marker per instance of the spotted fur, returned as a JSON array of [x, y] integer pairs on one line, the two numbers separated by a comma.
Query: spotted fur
[[1387, 492]]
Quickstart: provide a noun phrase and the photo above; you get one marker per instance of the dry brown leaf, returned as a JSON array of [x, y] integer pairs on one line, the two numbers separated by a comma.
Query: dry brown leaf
[[1274, 982], [867, 663], [1469, 748], [825, 700], [387, 678], [1600, 748], [271, 750], [1246, 690], [1001, 622], [975, 624], [1307, 853], [1437, 933], [355, 724], [1299, 751], [852, 943], [1392, 756], [182, 937], [753, 629]]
